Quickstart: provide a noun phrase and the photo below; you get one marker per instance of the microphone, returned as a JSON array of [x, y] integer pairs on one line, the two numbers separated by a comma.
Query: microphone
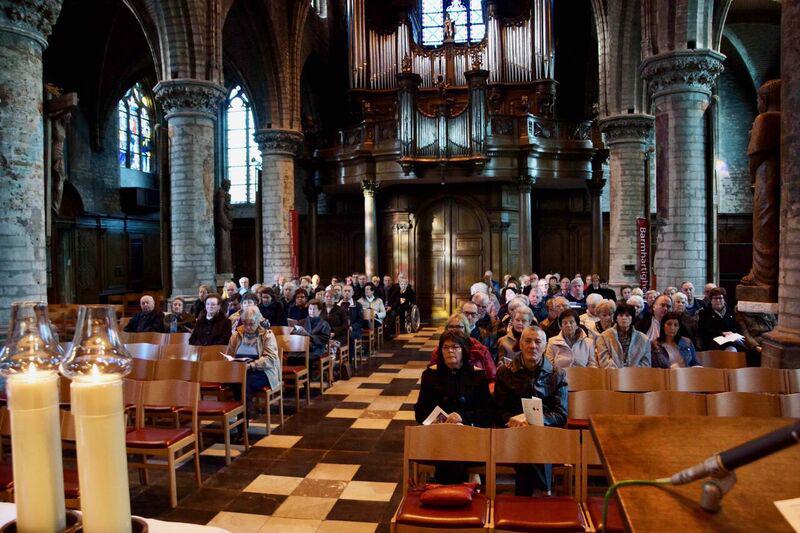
[[729, 460]]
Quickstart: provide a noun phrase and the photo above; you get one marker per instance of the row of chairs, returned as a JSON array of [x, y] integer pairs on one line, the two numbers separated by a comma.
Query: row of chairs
[[493, 450], [694, 379], [583, 404]]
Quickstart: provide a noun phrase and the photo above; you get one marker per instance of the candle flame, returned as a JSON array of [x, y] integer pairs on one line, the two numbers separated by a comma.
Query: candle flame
[[31, 370], [95, 371]]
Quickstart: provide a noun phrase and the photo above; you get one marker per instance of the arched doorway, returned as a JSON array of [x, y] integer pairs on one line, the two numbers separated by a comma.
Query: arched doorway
[[452, 241]]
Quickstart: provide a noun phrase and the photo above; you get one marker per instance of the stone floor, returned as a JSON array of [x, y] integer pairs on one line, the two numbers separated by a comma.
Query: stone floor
[[334, 466]]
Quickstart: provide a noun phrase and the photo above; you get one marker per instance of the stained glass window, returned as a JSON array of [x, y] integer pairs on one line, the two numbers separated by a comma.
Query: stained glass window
[[467, 17], [241, 149], [135, 130]]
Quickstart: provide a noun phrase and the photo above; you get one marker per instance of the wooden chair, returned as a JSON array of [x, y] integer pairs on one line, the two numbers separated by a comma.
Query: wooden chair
[[131, 394], [370, 335], [790, 405], [722, 359], [179, 369], [792, 380], [179, 351], [435, 443], [281, 330], [142, 369], [537, 445], [212, 352], [222, 412], [743, 404], [580, 378], [72, 491], [637, 379], [583, 404], [670, 403], [142, 350], [295, 375], [166, 443], [270, 397], [177, 338], [697, 379], [148, 337], [756, 379], [593, 505]]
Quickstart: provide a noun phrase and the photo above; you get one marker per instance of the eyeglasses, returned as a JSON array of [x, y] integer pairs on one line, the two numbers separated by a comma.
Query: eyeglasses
[[470, 313], [451, 348]]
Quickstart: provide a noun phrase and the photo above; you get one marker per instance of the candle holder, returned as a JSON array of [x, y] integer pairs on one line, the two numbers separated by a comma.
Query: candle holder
[[73, 524], [96, 363], [29, 360]]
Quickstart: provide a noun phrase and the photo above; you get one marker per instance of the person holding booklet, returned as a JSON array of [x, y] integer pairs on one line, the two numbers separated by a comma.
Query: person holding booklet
[[457, 389], [531, 375], [718, 327]]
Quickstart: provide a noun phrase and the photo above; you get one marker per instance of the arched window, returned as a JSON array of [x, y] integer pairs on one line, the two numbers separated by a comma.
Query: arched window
[[241, 149], [467, 17], [135, 130]]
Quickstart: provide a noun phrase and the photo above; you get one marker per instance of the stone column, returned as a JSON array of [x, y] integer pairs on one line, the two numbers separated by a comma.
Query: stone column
[[24, 27], [627, 138], [595, 187], [525, 184], [278, 150], [781, 346], [191, 108], [370, 228], [680, 85]]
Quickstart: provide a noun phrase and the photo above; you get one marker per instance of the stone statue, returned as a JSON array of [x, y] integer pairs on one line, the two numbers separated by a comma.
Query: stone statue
[[754, 326], [223, 213], [761, 284], [449, 29], [407, 63]]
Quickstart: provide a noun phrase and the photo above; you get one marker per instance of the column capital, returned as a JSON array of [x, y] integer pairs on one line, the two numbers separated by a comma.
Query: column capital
[[682, 71], [636, 128], [189, 97], [595, 186], [525, 183], [279, 142], [369, 187], [33, 19]]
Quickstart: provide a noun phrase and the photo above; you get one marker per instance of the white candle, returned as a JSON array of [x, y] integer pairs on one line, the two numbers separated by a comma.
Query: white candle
[[36, 451], [102, 460]]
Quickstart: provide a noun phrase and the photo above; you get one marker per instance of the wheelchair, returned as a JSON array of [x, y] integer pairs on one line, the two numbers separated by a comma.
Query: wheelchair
[[412, 320]]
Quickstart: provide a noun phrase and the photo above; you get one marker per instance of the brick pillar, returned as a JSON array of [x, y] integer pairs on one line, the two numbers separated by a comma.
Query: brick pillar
[[781, 346], [370, 228], [680, 85], [191, 108], [525, 185], [278, 150], [627, 137], [24, 27]]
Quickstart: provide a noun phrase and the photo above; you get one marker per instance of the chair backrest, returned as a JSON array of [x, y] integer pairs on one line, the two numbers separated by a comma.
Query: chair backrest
[[790, 405], [141, 350], [142, 369], [743, 404], [580, 378], [534, 444], [179, 369], [670, 403], [123, 321], [169, 392], [446, 442], [583, 404], [281, 330], [5, 422], [64, 391], [697, 379], [293, 344], [637, 379], [177, 338], [792, 380], [223, 372], [179, 351], [67, 425], [211, 353], [722, 359], [149, 337], [756, 379]]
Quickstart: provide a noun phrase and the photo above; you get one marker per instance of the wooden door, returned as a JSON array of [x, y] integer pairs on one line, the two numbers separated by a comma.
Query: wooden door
[[451, 242]]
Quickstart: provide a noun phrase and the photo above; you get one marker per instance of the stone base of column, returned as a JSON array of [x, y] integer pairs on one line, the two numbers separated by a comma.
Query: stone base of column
[[757, 293], [781, 349]]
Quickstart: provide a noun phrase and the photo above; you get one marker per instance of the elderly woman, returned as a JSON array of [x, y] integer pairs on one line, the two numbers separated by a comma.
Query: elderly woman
[[256, 347], [270, 309], [718, 320], [478, 355], [313, 326], [688, 322], [553, 328], [178, 321], [671, 349], [336, 318], [508, 346], [248, 300], [572, 346], [590, 316], [622, 345], [371, 301], [531, 374], [637, 302], [460, 390], [626, 291], [537, 305], [605, 314]]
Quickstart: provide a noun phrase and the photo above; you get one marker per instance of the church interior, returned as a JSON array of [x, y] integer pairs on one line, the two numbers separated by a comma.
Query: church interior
[[381, 184]]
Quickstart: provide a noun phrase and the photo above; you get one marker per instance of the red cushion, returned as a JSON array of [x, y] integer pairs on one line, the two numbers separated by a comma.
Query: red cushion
[[155, 437], [595, 507], [6, 476], [71, 488], [447, 496], [412, 512], [547, 513], [577, 423], [211, 386], [160, 408], [294, 369]]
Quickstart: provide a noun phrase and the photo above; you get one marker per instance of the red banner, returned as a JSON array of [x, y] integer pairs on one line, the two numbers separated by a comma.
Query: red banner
[[294, 226], [643, 252]]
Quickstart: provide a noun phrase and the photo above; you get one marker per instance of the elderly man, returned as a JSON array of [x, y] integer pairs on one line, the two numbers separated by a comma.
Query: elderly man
[[277, 287], [537, 305], [148, 319], [493, 285], [213, 327], [402, 298], [693, 305], [650, 322], [707, 288], [199, 305], [576, 291], [590, 316], [244, 285], [384, 290]]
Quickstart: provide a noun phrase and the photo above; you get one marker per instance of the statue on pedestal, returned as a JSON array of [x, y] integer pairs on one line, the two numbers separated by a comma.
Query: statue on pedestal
[[449, 29], [223, 215], [761, 284]]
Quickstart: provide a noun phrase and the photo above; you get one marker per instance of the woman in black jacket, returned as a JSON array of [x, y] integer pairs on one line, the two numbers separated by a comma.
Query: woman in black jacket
[[336, 318], [718, 320], [459, 390], [271, 309]]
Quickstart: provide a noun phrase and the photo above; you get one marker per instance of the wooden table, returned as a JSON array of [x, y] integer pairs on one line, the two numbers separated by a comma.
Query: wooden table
[[649, 447]]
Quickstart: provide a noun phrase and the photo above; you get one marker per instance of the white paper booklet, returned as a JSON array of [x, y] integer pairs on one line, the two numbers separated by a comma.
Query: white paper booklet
[[724, 339], [790, 509], [437, 416], [532, 409]]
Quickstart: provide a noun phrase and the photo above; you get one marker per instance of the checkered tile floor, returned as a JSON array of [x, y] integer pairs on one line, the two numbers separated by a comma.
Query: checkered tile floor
[[334, 466]]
